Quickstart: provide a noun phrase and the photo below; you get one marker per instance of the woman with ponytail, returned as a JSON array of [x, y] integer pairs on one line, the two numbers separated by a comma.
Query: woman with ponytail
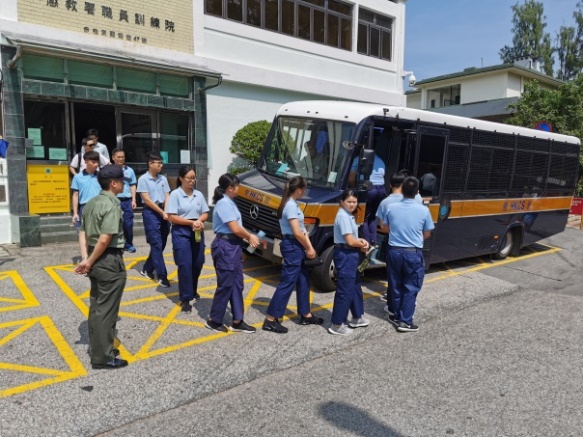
[[295, 247], [226, 254]]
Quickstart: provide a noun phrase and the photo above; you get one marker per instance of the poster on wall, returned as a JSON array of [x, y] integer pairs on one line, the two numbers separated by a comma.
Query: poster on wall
[[48, 189]]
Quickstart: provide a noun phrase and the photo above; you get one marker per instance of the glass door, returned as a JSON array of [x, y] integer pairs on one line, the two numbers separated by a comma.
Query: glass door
[[137, 134]]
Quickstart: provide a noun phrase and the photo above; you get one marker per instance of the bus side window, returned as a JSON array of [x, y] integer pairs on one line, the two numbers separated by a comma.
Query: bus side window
[[430, 164]]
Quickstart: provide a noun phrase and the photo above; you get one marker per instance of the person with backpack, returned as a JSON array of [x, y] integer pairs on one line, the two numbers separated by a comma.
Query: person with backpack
[[77, 164]]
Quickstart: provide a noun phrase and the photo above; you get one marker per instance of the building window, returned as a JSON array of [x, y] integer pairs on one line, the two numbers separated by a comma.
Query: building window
[[326, 22], [374, 34]]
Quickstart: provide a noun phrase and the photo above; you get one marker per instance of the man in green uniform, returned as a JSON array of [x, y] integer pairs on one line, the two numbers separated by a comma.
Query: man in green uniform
[[103, 225]]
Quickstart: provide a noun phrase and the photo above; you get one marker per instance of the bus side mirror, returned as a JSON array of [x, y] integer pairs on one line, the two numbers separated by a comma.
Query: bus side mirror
[[366, 162]]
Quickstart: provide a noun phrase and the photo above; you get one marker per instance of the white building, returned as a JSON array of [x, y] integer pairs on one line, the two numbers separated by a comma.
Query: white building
[[179, 79], [483, 93]]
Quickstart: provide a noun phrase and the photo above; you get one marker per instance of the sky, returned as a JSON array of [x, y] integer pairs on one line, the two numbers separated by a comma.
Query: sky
[[448, 36]]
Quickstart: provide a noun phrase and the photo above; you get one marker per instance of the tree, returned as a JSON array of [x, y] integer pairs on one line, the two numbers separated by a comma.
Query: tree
[[569, 47], [530, 38], [247, 144], [562, 108]]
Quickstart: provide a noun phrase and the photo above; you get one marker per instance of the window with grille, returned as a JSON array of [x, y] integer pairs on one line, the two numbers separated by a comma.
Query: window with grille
[[374, 34], [326, 22]]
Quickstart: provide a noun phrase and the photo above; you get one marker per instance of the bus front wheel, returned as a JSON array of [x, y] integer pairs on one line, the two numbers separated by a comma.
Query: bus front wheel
[[505, 247], [324, 276]]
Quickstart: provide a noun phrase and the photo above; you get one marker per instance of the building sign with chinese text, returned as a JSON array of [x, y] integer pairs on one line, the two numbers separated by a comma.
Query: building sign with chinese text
[[48, 189], [142, 22]]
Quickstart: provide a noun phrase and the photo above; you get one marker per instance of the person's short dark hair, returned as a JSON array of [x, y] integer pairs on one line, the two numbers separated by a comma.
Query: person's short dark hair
[[153, 156], [91, 156], [93, 132], [85, 140], [117, 150], [397, 180], [410, 187], [107, 174], [404, 172]]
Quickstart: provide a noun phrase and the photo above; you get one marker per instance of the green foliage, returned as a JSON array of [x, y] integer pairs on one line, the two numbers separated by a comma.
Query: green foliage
[[562, 108], [530, 38], [248, 144]]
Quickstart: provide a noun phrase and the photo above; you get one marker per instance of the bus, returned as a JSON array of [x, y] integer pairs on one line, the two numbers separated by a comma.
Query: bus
[[496, 187]]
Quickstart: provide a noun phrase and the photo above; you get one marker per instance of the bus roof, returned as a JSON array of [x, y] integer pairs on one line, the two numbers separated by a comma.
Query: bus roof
[[354, 112]]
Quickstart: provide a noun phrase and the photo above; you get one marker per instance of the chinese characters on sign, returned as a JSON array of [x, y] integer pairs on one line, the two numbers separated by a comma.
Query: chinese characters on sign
[[108, 13]]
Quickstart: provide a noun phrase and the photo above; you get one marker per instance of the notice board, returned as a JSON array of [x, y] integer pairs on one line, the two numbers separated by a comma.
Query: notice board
[[48, 189]]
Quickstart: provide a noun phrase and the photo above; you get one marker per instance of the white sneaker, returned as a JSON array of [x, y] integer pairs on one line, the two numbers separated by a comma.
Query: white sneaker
[[341, 330], [359, 323], [386, 308]]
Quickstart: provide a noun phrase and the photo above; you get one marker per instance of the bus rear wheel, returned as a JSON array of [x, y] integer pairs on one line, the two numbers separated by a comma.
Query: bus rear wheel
[[505, 247], [324, 276]]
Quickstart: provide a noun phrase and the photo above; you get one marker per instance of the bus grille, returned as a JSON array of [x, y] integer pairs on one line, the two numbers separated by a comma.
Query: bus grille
[[266, 221]]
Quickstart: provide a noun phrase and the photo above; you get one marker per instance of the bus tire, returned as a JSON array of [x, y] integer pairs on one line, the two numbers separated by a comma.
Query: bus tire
[[506, 245], [324, 276]]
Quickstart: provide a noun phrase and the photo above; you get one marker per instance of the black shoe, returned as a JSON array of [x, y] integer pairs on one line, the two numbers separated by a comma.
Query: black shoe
[[148, 275], [242, 327], [186, 307], [165, 283], [312, 320], [115, 352], [219, 327], [116, 363], [274, 326], [393, 321], [403, 327], [196, 295]]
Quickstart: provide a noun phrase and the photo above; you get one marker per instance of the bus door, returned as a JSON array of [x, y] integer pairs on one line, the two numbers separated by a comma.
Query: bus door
[[429, 169]]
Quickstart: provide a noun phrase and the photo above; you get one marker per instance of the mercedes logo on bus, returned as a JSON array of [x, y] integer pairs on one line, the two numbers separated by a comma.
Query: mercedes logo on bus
[[254, 212]]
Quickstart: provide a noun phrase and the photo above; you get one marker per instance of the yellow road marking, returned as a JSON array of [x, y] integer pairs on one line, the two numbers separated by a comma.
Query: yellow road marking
[[76, 368], [28, 299]]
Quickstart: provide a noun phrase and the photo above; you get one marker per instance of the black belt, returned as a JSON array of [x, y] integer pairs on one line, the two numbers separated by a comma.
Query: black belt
[[288, 236], [406, 249], [112, 250], [124, 199], [345, 246], [228, 237]]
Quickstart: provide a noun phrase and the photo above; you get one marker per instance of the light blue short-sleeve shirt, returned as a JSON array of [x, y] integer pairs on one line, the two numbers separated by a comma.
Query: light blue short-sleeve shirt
[[225, 211], [129, 179], [393, 198], [87, 185], [156, 187], [291, 210], [377, 176], [344, 224], [188, 207], [408, 220]]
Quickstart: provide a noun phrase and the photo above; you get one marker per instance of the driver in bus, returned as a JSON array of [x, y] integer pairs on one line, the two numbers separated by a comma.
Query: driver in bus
[[316, 148]]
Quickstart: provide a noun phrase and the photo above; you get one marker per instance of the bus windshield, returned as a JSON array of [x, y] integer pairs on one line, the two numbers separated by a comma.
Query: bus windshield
[[308, 147]]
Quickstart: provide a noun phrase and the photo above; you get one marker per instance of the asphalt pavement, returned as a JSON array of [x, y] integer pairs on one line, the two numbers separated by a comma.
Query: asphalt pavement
[[498, 353]]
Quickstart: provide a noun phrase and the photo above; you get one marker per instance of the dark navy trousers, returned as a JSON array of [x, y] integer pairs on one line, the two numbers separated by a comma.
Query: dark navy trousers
[[293, 275], [228, 264], [128, 221], [157, 230], [348, 289], [406, 273], [189, 257], [374, 199]]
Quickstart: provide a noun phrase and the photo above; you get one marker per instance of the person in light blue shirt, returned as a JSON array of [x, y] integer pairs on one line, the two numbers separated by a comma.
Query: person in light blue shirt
[[154, 189], [85, 187], [347, 253], [396, 195], [374, 197], [127, 198], [187, 211], [409, 223], [226, 254], [295, 247]]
